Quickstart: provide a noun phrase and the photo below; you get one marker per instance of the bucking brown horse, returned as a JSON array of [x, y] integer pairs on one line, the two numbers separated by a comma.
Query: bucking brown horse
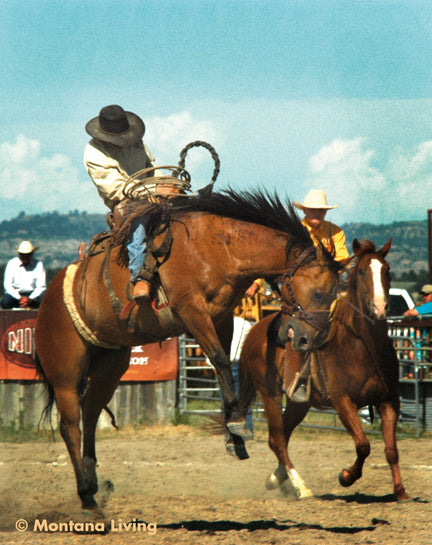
[[220, 244], [355, 367]]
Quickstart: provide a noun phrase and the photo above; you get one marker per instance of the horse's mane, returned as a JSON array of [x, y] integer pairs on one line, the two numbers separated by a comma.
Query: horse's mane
[[257, 207], [252, 206]]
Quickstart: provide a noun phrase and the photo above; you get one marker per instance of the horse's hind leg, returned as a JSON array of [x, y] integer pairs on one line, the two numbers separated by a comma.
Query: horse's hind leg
[[389, 416], [349, 417], [105, 372], [66, 380]]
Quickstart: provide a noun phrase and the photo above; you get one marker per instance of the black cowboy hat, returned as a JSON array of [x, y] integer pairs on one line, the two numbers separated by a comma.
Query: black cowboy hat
[[115, 126]]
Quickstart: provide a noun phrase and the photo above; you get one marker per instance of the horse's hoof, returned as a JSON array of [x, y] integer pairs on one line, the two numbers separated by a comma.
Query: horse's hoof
[[342, 481], [288, 491], [272, 482], [405, 499], [239, 428], [401, 494], [89, 505], [305, 494], [94, 512], [275, 479]]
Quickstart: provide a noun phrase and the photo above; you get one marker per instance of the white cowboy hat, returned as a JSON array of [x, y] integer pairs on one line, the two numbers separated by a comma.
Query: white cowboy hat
[[316, 198], [26, 247]]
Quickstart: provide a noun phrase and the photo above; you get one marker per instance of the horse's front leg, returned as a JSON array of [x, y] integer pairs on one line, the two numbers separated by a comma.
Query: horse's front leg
[[347, 412], [216, 345], [280, 428], [389, 415]]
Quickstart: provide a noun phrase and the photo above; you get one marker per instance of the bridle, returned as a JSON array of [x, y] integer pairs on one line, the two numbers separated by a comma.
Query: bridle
[[318, 319], [365, 303]]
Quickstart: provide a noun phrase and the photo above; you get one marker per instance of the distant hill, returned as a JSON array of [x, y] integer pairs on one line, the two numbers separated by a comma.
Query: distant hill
[[58, 237], [409, 251]]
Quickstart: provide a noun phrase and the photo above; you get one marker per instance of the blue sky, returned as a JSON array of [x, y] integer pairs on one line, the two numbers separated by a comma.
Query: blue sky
[[293, 95]]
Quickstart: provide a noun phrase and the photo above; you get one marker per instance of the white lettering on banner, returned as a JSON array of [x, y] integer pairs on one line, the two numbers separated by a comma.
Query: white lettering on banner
[[139, 361], [21, 341]]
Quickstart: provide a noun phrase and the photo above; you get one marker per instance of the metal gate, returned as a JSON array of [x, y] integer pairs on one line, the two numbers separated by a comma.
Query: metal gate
[[198, 390], [198, 387]]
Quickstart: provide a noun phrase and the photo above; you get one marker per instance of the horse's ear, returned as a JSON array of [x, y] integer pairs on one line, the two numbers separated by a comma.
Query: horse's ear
[[356, 246], [385, 249]]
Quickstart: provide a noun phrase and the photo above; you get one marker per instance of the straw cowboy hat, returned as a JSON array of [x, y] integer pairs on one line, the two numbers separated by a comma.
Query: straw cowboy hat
[[316, 198], [26, 247], [115, 126], [426, 289]]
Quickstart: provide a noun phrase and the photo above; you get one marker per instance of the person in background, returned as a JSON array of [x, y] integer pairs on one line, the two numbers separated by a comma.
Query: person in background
[[116, 152], [240, 332], [24, 279], [315, 208], [426, 306]]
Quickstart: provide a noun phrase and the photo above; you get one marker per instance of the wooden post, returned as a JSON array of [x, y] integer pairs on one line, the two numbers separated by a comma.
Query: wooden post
[[429, 213]]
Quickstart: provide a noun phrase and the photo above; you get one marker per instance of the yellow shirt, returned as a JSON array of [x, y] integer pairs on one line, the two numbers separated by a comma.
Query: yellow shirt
[[331, 237]]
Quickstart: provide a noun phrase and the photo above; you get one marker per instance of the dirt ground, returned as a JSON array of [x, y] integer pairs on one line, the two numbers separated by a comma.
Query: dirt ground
[[176, 485]]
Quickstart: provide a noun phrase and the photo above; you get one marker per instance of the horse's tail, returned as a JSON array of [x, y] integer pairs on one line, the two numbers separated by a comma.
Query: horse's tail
[[47, 410], [247, 390], [371, 413]]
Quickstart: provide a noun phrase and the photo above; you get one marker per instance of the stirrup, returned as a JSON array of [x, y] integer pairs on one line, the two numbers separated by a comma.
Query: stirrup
[[293, 387], [141, 290]]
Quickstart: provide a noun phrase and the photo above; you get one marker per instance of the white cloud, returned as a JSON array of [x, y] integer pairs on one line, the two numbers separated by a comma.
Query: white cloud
[[345, 170], [35, 183]]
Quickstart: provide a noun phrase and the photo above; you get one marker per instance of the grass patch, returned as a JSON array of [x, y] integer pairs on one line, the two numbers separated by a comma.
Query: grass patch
[[11, 435]]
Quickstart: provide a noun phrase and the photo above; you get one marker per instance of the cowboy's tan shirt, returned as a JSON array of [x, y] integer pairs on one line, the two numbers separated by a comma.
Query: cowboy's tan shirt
[[110, 167], [331, 236]]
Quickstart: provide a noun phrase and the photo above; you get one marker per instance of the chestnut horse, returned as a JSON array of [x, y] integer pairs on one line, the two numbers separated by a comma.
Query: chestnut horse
[[355, 367], [220, 244]]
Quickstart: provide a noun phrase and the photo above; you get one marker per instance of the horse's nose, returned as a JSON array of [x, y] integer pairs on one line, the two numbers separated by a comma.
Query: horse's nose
[[301, 344]]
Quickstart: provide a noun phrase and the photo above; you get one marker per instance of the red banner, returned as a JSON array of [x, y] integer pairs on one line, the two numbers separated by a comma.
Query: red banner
[[152, 362]]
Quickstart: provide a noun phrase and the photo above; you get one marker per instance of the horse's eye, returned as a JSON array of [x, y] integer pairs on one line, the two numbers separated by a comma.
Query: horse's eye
[[362, 272]]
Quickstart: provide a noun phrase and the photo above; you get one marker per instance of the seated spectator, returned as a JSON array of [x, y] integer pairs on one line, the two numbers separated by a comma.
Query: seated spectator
[[24, 279], [426, 306]]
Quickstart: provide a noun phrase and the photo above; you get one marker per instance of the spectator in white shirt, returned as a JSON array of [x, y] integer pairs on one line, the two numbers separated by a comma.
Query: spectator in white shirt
[[24, 279]]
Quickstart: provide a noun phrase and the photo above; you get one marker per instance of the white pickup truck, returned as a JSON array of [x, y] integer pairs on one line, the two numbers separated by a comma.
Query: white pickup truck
[[400, 301]]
